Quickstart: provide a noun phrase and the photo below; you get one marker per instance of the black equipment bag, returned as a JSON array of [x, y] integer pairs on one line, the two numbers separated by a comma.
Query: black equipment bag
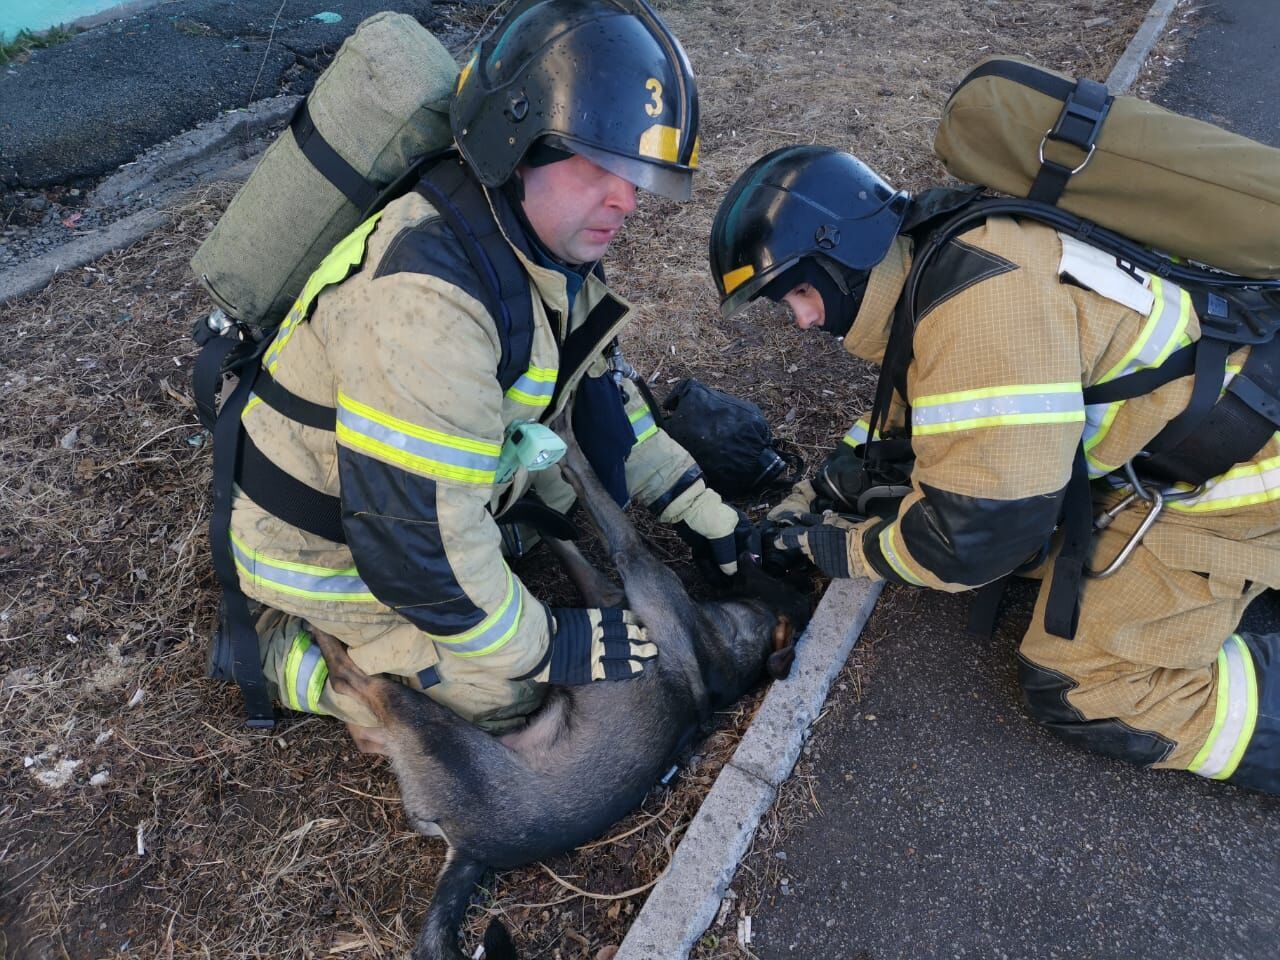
[[730, 439]]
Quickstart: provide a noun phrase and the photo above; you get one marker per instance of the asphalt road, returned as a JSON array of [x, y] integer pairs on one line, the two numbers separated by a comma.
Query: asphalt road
[[951, 826], [77, 110]]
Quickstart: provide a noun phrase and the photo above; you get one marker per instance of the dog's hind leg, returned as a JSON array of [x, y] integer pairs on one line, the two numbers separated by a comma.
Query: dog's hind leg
[[438, 939], [597, 590]]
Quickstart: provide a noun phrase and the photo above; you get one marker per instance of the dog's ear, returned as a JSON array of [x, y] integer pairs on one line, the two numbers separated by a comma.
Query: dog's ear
[[784, 649], [779, 663]]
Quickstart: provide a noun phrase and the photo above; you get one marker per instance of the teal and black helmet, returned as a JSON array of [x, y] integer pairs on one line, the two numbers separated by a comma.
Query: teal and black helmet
[[796, 202], [604, 79]]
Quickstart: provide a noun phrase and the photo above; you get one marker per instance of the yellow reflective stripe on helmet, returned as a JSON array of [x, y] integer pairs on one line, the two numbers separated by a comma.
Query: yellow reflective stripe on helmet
[[1243, 485], [535, 387], [300, 579], [661, 142], [642, 424], [1007, 405], [466, 70], [491, 633], [334, 268], [413, 447], [1236, 712], [889, 550], [736, 278]]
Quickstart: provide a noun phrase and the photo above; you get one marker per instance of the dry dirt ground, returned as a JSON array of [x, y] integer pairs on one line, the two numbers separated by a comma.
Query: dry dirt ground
[[137, 817]]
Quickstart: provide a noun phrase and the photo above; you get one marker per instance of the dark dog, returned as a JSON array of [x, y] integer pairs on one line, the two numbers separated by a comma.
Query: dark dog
[[591, 752]]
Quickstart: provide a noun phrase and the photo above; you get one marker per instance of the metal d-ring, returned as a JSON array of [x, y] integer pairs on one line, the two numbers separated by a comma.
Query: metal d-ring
[[1156, 500], [1083, 163]]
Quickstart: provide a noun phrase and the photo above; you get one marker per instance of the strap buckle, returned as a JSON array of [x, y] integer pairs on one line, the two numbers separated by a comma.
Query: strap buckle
[[1083, 163]]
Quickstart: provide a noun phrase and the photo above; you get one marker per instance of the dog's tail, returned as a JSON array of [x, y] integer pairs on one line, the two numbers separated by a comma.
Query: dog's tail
[[439, 937]]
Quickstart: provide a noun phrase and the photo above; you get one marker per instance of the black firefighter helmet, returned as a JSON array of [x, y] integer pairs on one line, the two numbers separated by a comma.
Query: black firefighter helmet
[[796, 202], [601, 78]]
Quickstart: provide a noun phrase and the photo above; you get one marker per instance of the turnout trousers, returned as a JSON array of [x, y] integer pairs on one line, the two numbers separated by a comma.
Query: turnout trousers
[[1157, 673]]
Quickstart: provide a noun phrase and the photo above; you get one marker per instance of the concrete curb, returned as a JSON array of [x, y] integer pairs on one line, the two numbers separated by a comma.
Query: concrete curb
[[1125, 73], [684, 902]]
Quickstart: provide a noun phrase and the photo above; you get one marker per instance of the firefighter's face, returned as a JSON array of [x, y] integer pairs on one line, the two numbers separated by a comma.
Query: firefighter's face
[[576, 207], [806, 306]]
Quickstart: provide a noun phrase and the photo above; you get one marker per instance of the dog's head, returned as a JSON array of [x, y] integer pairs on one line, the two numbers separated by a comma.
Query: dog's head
[[754, 628]]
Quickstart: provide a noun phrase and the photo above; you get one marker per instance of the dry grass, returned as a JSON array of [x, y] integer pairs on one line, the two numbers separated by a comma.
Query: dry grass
[[292, 846]]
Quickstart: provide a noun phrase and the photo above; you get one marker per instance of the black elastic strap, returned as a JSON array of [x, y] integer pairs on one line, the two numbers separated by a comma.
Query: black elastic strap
[[1211, 361], [465, 208], [1235, 429], [206, 378], [985, 608], [288, 404], [286, 497], [236, 622], [579, 345], [1180, 363], [1062, 611], [330, 164], [547, 521]]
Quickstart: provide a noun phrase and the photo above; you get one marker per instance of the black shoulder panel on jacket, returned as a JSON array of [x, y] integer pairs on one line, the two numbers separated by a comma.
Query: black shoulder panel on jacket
[[974, 540], [954, 269], [1044, 694], [431, 248], [393, 531]]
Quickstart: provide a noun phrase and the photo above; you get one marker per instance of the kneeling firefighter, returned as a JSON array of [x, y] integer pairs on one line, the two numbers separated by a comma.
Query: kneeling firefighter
[[988, 417], [398, 413]]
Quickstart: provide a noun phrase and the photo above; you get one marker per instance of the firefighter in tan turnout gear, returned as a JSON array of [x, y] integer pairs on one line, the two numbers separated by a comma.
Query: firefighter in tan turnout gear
[[398, 414], [1014, 322]]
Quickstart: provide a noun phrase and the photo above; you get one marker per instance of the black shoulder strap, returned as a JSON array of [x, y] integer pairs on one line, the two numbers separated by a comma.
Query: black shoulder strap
[[321, 155], [464, 205]]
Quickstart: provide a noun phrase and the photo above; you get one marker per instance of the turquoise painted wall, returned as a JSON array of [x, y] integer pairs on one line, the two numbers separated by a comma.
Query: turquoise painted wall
[[38, 15]]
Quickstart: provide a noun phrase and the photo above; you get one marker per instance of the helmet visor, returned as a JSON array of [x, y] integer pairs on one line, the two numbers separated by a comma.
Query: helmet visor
[[674, 183]]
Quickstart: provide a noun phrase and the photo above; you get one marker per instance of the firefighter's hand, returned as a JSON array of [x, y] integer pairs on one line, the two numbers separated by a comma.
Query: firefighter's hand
[[825, 543], [796, 503], [593, 643]]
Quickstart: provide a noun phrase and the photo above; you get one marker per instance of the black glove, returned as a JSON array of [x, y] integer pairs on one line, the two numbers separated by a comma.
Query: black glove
[[717, 560], [826, 544], [592, 643]]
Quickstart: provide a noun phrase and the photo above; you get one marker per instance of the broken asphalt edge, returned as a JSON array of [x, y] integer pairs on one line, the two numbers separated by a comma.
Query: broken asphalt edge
[[686, 898], [148, 173]]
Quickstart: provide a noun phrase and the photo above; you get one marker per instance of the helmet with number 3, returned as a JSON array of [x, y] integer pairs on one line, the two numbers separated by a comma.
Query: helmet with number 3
[[604, 79]]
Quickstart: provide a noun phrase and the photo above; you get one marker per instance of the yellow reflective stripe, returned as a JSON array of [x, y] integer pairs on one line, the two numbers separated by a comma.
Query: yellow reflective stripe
[[858, 433], [1005, 405], [334, 268], [889, 550], [300, 579], [1220, 714], [662, 142], [413, 447], [1251, 710], [736, 278], [535, 387], [642, 424], [1241, 486], [301, 643], [494, 631], [1235, 713]]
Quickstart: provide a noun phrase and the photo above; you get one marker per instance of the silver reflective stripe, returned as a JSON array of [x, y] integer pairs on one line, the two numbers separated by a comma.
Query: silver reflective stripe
[[1163, 332], [417, 448], [493, 632], [1234, 714], [1043, 406], [311, 658], [857, 433], [1241, 486], [535, 392], [643, 425], [301, 579]]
